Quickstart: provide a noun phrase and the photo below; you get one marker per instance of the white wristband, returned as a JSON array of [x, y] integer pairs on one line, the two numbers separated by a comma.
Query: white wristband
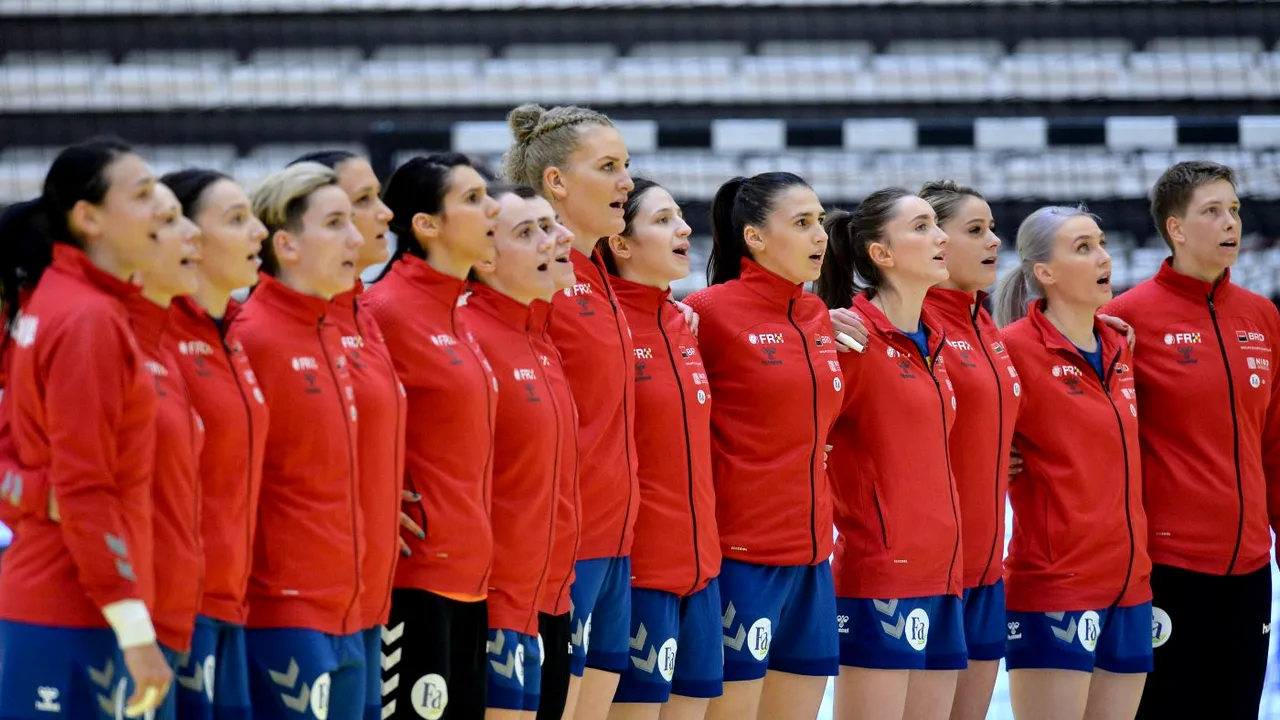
[[131, 623], [846, 340]]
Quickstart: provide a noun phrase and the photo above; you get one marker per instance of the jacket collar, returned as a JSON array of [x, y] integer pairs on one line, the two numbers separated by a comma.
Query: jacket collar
[[954, 305], [1189, 286], [540, 315], [1109, 340], [640, 297], [589, 266], [880, 322], [417, 272], [148, 321], [73, 260], [347, 301], [769, 285], [303, 308], [493, 303]]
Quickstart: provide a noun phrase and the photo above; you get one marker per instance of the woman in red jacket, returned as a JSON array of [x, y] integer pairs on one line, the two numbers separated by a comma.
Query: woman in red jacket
[[437, 630], [1078, 574], [93, 228], [578, 160], [771, 363], [675, 596], [213, 682], [304, 643], [380, 399], [987, 392], [527, 452], [178, 561], [898, 558]]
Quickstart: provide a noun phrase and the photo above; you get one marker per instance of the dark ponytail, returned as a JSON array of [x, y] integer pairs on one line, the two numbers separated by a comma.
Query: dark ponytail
[[847, 267], [189, 187], [27, 230], [417, 187], [740, 202]]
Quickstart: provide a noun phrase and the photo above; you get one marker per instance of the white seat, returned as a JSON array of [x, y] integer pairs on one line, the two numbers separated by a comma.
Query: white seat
[[1248, 45], [648, 79], [161, 87], [1088, 47], [803, 78], [823, 48], [290, 85], [507, 80], [687, 50], [41, 81], [425, 53], [928, 77], [410, 82], [988, 49], [1062, 77], [562, 51]]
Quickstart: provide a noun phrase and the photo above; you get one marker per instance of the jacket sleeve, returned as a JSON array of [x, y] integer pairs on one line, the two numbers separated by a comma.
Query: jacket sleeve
[[1271, 429], [86, 371]]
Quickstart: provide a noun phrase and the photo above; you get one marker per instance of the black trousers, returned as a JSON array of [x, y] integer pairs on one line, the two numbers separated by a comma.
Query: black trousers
[[1213, 659]]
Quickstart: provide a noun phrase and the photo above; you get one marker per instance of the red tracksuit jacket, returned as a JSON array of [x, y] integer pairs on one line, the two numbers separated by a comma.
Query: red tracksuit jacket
[[594, 340], [310, 540], [225, 393], [380, 399], [452, 397], [678, 546], [527, 457], [564, 548], [987, 392], [1079, 531], [175, 490], [897, 508], [1210, 427], [83, 408], [771, 361]]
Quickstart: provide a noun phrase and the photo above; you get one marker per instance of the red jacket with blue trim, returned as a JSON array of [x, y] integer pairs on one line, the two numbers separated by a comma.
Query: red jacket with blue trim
[[310, 540], [1079, 530], [771, 362], [677, 544], [897, 508], [380, 399]]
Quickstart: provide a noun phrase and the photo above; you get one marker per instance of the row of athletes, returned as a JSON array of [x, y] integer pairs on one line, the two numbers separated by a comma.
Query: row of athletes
[[450, 489]]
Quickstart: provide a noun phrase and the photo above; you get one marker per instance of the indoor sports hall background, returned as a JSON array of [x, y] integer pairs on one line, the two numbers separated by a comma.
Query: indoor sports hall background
[[1030, 102]]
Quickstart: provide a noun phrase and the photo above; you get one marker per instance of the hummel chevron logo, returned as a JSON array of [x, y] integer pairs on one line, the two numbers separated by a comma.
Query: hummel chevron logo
[[289, 680], [738, 639], [391, 635], [649, 664], [642, 636], [889, 607], [391, 659]]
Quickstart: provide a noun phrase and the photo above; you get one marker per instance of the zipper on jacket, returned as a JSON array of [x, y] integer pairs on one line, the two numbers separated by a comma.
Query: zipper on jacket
[[555, 486], [395, 394], [688, 452], [248, 485], [1001, 458], [1124, 447], [354, 472], [488, 416], [626, 411], [1235, 434], [813, 455], [946, 453], [191, 428]]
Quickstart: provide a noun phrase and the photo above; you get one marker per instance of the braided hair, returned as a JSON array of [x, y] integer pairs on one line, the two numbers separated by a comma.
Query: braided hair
[[544, 138]]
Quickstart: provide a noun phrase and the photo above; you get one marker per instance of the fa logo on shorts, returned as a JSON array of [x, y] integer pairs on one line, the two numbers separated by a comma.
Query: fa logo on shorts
[[1090, 627], [320, 697], [520, 664], [1161, 627], [918, 629], [667, 659], [759, 637], [430, 697]]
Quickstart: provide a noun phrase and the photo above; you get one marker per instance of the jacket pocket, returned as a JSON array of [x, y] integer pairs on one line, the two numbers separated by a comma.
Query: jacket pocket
[[881, 515]]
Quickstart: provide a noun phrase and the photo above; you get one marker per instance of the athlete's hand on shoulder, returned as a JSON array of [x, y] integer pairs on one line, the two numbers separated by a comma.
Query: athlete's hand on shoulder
[[826, 453], [407, 522], [848, 323], [1119, 325], [54, 515], [690, 317], [1015, 461], [151, 678]]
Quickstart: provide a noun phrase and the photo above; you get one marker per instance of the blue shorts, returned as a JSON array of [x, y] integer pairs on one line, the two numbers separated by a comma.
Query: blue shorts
[[600, 614], [661, 622], [373, 673], [515, 671], [984, 623], [212, 681], [903, 634], [49, 672], [1117, 640], [778, 618], [305, 673]]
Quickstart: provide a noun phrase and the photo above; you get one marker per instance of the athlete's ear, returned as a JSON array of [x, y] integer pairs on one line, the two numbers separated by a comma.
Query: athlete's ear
[[880, 254], [751, 235], [1173, 226], [427, 226], [619, 246], [1043, 274], [83, 219], [553, 181], [286, 247]]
